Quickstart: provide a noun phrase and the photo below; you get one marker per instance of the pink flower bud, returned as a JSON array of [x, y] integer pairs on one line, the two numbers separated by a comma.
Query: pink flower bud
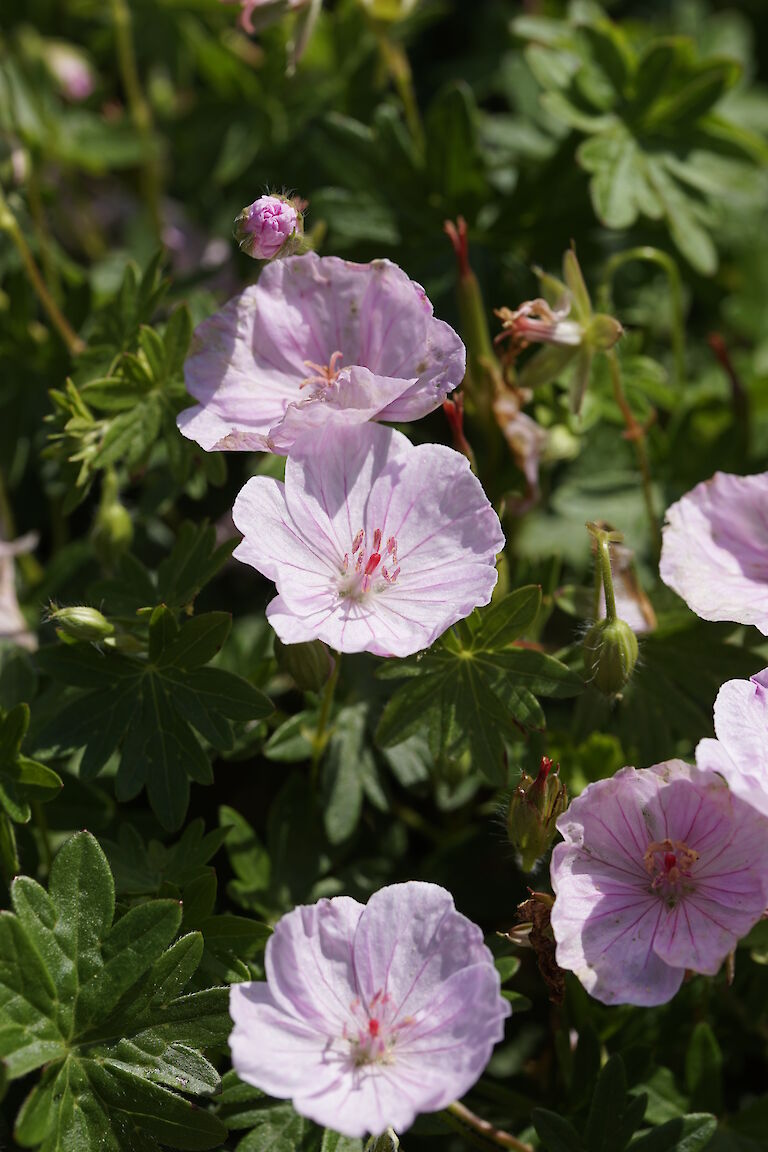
[[264, 228], [71, 71]]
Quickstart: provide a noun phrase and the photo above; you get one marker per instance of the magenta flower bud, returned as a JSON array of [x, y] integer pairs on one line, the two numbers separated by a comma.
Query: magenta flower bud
[[264, 228]]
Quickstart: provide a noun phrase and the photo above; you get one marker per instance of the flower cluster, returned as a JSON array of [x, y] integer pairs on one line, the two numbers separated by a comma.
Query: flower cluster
[[372, 1014], [374, 544]]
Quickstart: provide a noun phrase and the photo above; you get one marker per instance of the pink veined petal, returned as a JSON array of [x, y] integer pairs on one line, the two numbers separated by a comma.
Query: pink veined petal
[[356, 397], [309, 963], [715, 552], [741, 725], [370, 1102], [607, 939], [698, 933], [248, 362], [271, 542], [447, 364], [608, 819], [409, 940], [272, 1050]]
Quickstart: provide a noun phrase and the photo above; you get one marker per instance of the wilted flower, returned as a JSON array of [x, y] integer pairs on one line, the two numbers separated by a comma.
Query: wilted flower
[[662, 870], [258, 14], [526, 440], [266, 227], [316, 336], [370, 1013], [563, 319], [375, 545], [13, 626], [715, 551], [740, 752]]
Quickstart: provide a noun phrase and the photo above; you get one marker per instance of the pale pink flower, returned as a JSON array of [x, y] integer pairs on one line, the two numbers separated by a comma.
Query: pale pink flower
[[370, 1013], [316, 336], [264, 228], [740, 752], [375, 545], [715, 552], [662, 870]]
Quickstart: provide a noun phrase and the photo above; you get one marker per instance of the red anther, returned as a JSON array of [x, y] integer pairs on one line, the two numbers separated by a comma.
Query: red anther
[[670, 860], [373, 562], [391, 546], [377, 540], [373, 1027], [357, 541]]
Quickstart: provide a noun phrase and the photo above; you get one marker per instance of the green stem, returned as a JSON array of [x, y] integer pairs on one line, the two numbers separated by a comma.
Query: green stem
[[9, 857], [320, 739], [636, 433], [655, 256], [398, 66], [9, 224], [42, 232], [42, 827], [141, 113], [603, 565], [459, 1117]]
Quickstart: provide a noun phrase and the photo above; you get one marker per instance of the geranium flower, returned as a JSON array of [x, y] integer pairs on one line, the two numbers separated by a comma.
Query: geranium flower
[[375, 545], [370, 1013], [740, 752], [662, 870], [715, 552], [317, 335]]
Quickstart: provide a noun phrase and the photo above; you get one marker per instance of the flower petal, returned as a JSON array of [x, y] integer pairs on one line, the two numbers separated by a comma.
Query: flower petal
[[309, 963], [715, 552]]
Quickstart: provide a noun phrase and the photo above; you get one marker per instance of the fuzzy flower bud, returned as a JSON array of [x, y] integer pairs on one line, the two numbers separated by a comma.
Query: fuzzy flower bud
[[610, 654], [81, 623], [309, 664], [533, 810], [265, 228]]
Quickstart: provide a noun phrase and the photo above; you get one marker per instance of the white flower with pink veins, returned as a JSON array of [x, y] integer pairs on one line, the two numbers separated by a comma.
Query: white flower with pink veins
[[374, 544]]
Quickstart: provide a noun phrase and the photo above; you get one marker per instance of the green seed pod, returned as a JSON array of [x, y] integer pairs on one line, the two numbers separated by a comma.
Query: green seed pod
[[533, 810], [309, 664], [82, 623], [610, 655]]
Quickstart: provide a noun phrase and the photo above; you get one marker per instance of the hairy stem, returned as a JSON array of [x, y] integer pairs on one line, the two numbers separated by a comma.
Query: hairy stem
[[460, 1118], [320, 738], [9, 224], [141, 113], [663, 260], [637, 434]]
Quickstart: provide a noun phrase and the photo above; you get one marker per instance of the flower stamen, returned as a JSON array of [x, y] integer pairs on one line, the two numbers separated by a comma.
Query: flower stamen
[[323, 374]]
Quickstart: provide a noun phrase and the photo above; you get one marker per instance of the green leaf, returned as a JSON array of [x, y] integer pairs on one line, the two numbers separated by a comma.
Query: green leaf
[[197, 642], [344, 765], [22, 781], [703, 1069], [277, 1128], [604, 1123], [682, 1134], [555, 1132], [100, 1002], [509, 618]]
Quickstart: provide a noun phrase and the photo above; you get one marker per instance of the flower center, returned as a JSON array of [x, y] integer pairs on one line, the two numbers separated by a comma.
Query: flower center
[[322, 374], [375, 1032], [669, 864], [364, 569]]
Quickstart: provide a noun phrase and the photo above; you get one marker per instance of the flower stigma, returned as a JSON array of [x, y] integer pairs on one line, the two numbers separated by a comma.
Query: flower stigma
[[669, 864]]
